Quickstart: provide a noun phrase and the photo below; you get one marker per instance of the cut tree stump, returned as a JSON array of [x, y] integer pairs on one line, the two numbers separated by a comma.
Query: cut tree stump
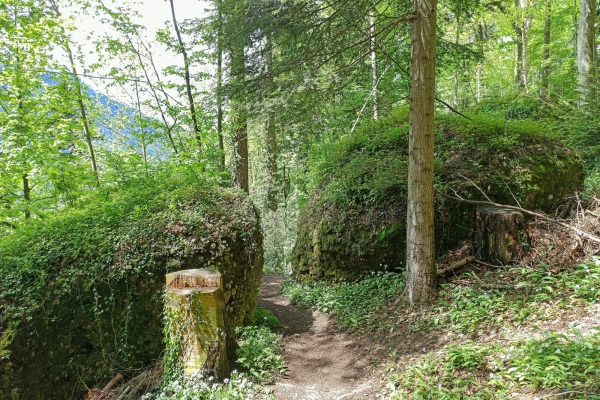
[[198, 322], [499, 235]]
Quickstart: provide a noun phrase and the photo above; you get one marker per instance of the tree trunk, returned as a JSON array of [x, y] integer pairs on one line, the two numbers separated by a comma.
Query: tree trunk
[[27, 196], [518, 55], [586, 44], [197, 323], [82, 110], [525, 40], [456, 72], [421, 279], [522, 26], [373, 65], [240, 150], [220, 85], [188, 84], [271, 134], [499, 234], [546, 51], [240, 120]]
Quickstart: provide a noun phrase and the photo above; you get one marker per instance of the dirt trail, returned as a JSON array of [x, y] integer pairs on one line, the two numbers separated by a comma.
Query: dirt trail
[[323, 362]]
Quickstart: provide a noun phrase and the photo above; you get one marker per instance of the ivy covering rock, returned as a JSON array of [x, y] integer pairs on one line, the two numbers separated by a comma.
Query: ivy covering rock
[[81, 293], [355, 220]]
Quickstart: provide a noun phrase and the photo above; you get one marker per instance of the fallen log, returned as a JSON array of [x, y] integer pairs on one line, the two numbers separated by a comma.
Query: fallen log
[[456, 265]]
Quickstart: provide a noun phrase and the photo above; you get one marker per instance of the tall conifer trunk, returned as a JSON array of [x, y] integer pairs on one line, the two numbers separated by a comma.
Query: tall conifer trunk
[[421, 281], [586, 44], [240, 119], [220, 84], [271, 133]]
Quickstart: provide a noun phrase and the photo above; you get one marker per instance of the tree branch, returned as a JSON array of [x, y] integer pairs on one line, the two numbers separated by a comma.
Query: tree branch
[[535, 214]]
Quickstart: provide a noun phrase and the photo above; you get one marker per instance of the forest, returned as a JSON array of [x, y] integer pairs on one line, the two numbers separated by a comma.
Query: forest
[[333, 199]]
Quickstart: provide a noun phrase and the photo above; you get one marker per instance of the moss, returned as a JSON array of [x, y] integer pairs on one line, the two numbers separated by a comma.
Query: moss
[[82, 291], [362, 191]]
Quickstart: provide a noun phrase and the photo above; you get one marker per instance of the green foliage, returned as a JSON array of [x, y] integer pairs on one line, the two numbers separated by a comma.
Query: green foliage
[[354, 222], [530, 295], [558, 361], [515, 107], [494, 371], [264, 317], [354, 304], [90, 277], [238, 387], [260, 353]]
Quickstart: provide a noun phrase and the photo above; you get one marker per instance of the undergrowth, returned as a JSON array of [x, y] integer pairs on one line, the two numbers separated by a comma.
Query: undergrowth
[[259, 356], [524, 295], [495, 371], [354, 304]]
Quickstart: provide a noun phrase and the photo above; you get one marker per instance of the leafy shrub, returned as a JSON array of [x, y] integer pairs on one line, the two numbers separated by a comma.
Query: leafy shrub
[[264, 317], [260, 353]]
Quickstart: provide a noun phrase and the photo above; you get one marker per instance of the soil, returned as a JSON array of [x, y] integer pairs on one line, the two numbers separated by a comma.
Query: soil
[[323, 361], [326, 362]]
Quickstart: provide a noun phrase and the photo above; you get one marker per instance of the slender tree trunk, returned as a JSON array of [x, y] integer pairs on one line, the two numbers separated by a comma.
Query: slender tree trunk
[[82, 110], [421, 278], [240, 120], [518, 55], [271, 133], [84, 118], [478, 76], [188, 84], [372, 45], [456, 72], [141, 127], [586, 45], [521, 25], [220, 84], [546, 51], [26, 195], [240, 150], [525, 40]]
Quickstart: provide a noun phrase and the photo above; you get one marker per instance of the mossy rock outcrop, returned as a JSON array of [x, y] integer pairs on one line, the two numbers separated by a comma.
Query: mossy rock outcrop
[[354, 222], [81, 293]]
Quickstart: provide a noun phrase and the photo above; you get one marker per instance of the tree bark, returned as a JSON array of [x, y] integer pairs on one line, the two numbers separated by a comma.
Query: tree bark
[[240, 120], [220, 84], [497, 237], [188, 84], [518, 55], [456, 72], [522, 27], [525, 31], [546, 51], [27, 195], [586, 44], [198, 323], [374, 80], [421, 279], [271, 134]]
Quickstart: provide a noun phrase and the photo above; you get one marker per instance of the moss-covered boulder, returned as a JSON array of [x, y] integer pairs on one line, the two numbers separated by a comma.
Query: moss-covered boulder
[[354, 221], [81, 293]]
